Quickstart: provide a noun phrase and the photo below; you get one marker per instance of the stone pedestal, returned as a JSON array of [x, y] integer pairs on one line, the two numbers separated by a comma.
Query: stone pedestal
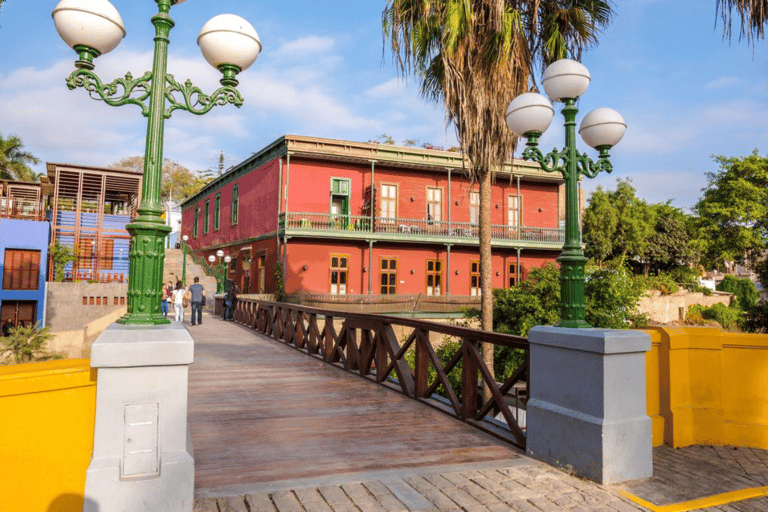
[[142, 455], [587, 407]]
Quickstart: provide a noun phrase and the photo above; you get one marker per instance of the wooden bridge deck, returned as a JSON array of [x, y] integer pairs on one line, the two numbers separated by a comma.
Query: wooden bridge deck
[[262, 412]]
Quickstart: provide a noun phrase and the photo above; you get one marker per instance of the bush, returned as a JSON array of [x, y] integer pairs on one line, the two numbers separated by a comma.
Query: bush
[[662, 282], [742, 288], [26, 344], [729, 317]]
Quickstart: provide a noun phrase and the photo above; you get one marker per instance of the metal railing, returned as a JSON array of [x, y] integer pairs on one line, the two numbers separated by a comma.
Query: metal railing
[[367, 346], [326, 222]]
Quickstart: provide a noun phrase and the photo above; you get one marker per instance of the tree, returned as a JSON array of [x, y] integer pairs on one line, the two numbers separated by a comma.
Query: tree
[[753, 14], [670, 245], [733, 211], [209, 174], [475, 56], [14, 161], [178, 182], [618, 225]]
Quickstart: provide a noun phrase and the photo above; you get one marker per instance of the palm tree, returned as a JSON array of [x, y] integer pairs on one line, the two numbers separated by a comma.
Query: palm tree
[[14, 162], [475, 56], [753, 14]]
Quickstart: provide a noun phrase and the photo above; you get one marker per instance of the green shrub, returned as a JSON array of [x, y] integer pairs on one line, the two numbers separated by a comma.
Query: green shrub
[[729, 317], [26, 344], [662, 282], [742, 288]]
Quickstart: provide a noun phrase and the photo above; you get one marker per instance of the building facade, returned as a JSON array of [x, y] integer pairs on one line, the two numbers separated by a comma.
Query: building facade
[[24, 237], [349, 218], [90, 209]]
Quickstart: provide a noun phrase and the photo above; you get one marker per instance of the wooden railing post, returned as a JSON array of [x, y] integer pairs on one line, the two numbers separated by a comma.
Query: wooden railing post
[[468, 380], [422, 363]]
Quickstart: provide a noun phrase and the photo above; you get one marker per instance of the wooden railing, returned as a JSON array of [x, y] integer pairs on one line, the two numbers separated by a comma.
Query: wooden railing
[[355, 223], [367, 345]]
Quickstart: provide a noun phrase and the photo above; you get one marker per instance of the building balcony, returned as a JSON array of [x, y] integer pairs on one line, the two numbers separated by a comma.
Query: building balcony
[[325, 225]]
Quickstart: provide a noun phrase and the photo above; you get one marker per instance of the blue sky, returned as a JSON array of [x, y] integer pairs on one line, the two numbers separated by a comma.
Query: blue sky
[[685, 93]]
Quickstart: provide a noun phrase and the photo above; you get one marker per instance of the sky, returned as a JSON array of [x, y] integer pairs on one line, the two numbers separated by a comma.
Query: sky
[[685, 93]]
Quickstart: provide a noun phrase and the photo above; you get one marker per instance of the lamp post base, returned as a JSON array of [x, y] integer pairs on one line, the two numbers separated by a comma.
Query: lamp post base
[[572, 296], [145, 278]]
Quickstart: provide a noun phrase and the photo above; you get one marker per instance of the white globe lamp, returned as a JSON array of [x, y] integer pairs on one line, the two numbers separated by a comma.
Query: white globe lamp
[[564, 79]]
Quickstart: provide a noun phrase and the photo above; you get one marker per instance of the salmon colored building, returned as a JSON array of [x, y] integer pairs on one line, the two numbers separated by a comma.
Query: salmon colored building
[[351, 218]]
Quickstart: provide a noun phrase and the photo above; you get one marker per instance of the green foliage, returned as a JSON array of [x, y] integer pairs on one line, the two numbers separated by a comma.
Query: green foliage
[[742, 288], [733, 212], [535, 301], [757, 318], [617, 225], [61, 255], [670, 247], [662, 282], [25, 344], [14, 161], [612, 296], [729, 317]]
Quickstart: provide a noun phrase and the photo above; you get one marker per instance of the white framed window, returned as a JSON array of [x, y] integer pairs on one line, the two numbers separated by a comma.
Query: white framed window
[[434, 204], [388, 202]]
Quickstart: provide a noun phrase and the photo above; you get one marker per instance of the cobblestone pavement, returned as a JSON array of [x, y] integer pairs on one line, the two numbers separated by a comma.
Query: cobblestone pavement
[[525, 487], [696, 472]]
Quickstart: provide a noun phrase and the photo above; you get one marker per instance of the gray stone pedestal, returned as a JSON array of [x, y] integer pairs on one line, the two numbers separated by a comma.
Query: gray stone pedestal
[[587, 410], [142, 456]]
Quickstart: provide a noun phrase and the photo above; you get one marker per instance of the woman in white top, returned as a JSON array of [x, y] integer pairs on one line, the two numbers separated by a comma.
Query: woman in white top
[[178, 301]]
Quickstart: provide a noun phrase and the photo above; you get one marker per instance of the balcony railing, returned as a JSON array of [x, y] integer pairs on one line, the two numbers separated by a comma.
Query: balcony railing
[[325, 222]]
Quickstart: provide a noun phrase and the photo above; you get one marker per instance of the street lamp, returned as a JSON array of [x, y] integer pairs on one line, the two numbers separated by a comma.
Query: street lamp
[[221, 266], [184, 260], [228, 42], [529, 115]]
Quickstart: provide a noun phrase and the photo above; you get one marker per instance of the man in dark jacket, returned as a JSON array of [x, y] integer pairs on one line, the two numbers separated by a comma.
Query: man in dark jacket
[[229, 302]]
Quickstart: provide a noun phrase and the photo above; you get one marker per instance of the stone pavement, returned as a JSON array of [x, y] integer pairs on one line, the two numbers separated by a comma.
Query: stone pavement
[[520, 485], [713, 478]]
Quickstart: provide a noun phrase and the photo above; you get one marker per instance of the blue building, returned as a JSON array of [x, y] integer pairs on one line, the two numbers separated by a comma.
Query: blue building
[[24, 239]]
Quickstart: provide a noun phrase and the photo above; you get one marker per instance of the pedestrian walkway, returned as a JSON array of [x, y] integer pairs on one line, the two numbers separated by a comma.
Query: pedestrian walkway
[[275, 430]]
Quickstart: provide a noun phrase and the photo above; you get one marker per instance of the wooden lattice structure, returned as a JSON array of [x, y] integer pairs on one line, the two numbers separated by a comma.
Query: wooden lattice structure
[[23, 200], [91, 206]]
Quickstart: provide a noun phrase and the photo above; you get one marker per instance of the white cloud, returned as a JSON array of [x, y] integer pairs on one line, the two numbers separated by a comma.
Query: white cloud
[[306, 46], [722, 83]]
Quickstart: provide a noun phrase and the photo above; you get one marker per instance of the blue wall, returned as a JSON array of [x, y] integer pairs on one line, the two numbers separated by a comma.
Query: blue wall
[[26, 234]]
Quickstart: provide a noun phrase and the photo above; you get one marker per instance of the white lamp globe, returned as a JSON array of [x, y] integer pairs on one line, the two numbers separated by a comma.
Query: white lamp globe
[[602, 127], [185, 238], [92, 23], [229, 39], [529, 112], [565, 78], [219, 253], [227, 259], [211, 258]]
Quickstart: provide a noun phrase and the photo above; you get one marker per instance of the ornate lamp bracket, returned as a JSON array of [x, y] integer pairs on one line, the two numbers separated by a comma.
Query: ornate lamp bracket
[[194, 100], [117, 93]]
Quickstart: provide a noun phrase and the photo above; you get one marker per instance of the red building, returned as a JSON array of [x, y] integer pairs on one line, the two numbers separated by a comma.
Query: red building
[[362, 218]]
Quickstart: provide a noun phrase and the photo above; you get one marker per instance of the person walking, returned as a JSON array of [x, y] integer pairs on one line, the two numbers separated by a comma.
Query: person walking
[[178, 301], [229, 302], [7, 327], [167, 292], [197, 296]]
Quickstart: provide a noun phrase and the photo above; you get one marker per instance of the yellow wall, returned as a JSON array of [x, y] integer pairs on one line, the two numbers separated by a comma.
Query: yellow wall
[[47, 415], [707, 386]]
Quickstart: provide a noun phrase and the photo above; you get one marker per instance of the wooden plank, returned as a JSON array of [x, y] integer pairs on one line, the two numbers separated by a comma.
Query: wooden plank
[[261, 412]]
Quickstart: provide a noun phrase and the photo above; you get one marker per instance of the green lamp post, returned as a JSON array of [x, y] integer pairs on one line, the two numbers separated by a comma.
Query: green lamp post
[[223, 262], [529, 115], [184, 260], [228, 42]]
